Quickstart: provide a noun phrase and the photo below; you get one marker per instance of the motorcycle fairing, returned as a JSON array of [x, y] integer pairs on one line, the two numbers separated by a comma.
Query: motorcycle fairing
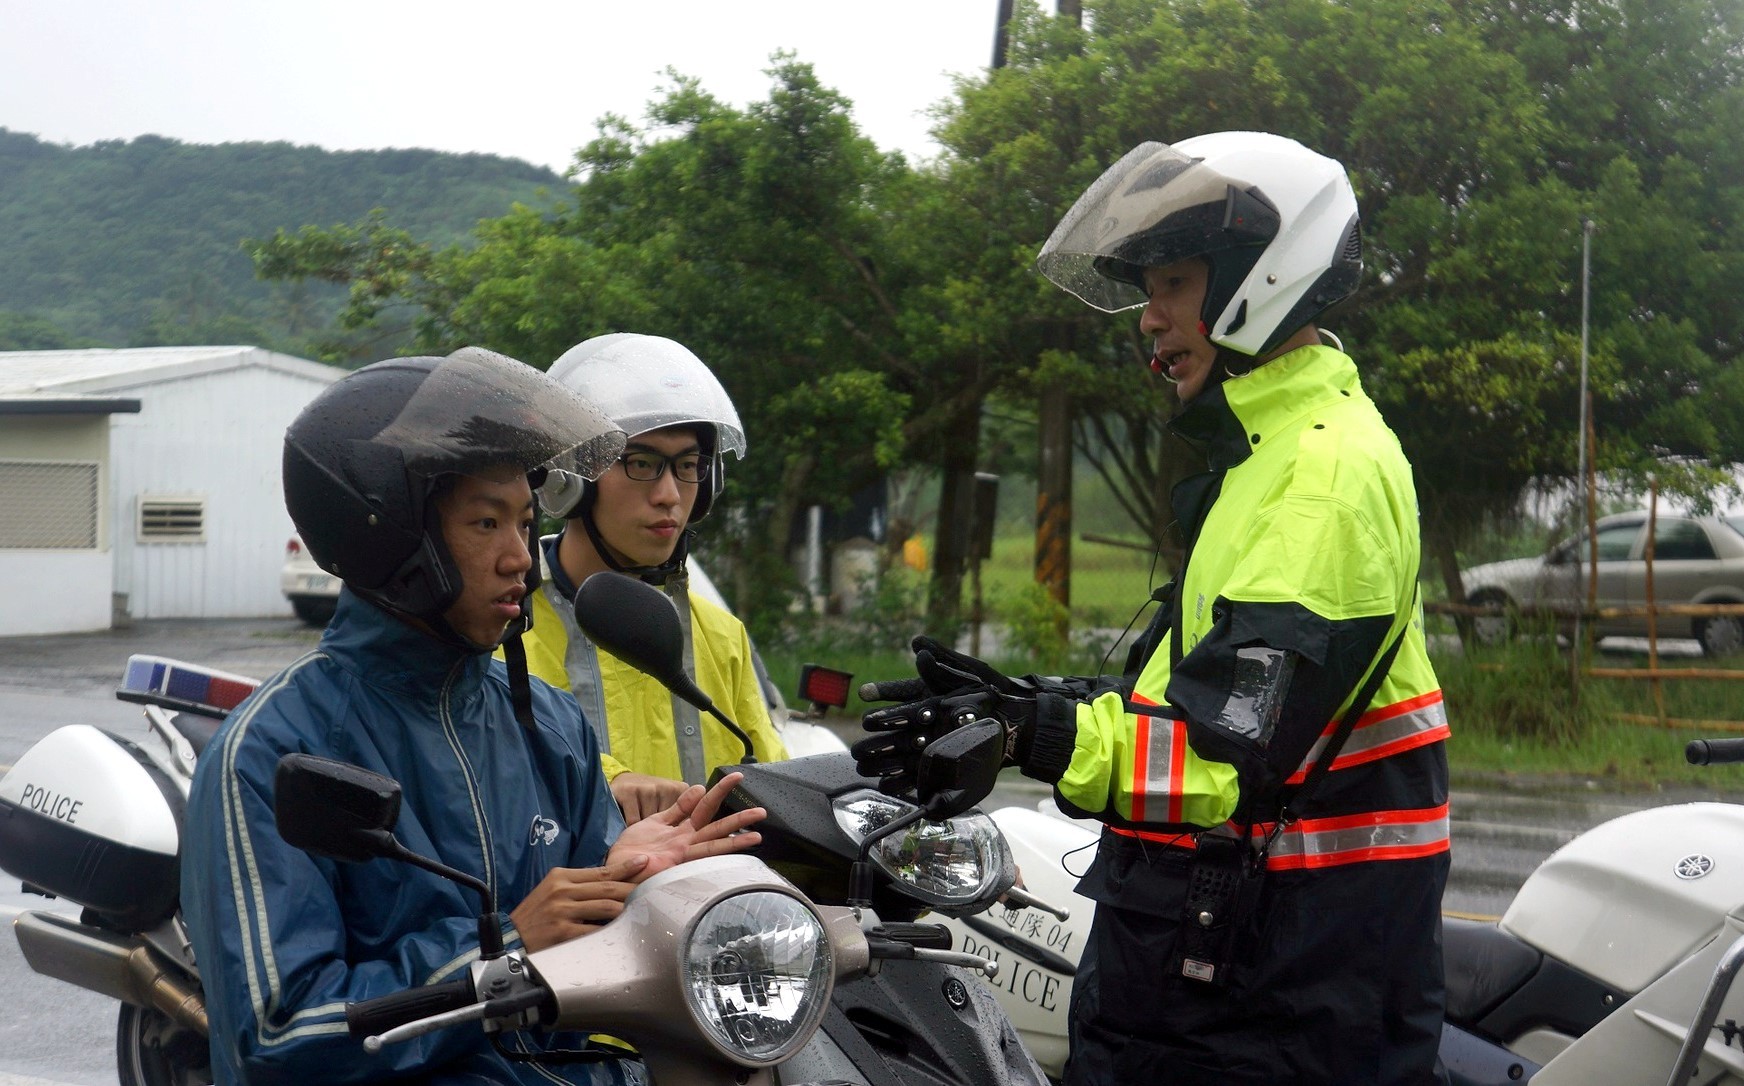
[[88, 816]]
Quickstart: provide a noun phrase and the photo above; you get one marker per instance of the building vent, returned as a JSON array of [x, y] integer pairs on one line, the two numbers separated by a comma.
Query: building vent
[[48, 505], [172, 518]]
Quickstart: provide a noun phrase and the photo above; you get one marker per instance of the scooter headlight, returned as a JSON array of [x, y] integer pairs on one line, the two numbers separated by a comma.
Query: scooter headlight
[[958, 862], [758, 974]]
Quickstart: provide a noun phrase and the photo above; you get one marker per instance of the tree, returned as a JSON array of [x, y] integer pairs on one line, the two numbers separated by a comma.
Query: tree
[[827, 281], [752, 236], [28, 332], [1477, 136]]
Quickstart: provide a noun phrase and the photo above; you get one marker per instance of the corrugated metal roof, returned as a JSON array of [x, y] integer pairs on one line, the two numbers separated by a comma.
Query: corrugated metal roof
[[107, 370]]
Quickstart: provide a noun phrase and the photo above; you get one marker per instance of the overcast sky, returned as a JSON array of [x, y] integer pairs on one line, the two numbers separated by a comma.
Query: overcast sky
[[525, 78]]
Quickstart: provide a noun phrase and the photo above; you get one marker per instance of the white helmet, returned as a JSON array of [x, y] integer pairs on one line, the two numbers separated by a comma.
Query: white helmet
[[645, 383], [1276, 221]]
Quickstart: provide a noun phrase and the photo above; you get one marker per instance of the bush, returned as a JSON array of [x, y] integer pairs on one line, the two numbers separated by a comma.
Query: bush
[[1523, 691], [1034, 626]]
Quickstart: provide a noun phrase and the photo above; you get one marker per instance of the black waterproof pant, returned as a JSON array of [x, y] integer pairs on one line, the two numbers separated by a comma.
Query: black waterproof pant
[[1342, 987]]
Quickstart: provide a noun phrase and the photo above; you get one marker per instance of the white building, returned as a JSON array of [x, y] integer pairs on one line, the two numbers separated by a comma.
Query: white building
[[144, 483]]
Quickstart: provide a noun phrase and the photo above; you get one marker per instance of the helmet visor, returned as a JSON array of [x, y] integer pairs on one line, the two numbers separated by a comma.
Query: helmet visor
[[478, 409], [1154, 207]]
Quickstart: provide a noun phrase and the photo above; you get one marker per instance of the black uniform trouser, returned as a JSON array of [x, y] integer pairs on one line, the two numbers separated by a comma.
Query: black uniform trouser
[[1342, 987]]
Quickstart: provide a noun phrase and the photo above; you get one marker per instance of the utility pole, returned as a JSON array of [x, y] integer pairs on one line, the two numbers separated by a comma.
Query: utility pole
[[1001, 33], [1578, 647], [1053, 544]]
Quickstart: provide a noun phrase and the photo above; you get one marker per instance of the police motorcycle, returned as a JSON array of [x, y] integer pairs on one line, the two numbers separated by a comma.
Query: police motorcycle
[[1614, 963], [94, 817]]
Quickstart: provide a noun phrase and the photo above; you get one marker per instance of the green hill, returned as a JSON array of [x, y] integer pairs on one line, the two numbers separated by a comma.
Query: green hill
[[132, 242]]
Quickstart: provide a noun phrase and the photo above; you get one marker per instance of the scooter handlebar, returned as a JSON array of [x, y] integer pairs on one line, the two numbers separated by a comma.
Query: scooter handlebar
[[376, 1016], [1714, 751]]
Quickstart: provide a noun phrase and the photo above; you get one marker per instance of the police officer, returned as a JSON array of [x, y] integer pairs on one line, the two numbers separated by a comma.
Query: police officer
[[1271, 772]]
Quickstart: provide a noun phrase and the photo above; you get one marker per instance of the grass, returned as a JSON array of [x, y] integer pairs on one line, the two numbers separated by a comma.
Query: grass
[[1108, 582], [1516, 713]]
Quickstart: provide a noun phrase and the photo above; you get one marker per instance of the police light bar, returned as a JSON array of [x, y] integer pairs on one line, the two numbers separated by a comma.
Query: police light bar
[[158, 680], [824, 686]]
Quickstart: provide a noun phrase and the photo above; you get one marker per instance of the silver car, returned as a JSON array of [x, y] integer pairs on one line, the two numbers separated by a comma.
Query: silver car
[[1695, 560]]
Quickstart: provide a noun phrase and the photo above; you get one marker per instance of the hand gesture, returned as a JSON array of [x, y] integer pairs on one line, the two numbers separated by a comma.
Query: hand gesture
[[640, 795], [689, 830], [961, 689], [572, 901]]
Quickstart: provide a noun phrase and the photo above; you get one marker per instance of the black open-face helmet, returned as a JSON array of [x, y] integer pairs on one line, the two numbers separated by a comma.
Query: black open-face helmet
[[366, 457]]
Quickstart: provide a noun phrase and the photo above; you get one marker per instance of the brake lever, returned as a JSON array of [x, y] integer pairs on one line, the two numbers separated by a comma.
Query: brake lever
[[375, 1042], [883, 949], [1019, 898]]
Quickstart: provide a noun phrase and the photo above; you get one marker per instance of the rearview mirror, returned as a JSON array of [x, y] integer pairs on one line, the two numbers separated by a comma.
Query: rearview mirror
[[960, 769], [636, 623], [345, 812], [335, 809]]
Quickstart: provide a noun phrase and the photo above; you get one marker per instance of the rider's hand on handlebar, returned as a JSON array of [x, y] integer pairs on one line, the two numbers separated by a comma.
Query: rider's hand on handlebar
[[689, 830], [962, 689], [640, 795], [573, 901]]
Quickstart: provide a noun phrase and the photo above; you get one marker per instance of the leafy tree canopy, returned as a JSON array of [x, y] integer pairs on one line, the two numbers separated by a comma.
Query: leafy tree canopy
[[749, 235], [1478, 136], [863, 312]]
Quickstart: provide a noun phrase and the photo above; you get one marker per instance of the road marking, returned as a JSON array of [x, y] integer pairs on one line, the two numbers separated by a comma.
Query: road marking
[[27, 1080], [1458, 915]]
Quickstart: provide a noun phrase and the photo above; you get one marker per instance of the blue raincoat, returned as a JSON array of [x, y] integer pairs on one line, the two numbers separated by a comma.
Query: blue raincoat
[[284, 940]]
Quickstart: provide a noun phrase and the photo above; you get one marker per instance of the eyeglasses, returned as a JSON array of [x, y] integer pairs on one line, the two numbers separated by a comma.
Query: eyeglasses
[[645, 467]]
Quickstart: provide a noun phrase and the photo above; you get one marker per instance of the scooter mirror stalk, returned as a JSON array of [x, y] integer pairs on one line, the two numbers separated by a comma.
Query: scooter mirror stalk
[[344, 812], [635, 622]]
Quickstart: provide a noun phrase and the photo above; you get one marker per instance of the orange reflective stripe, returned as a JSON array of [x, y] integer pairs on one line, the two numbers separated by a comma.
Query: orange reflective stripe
[[1313, 843], [1184, 839], [1159, 758], [1141, 741], [1349, 839], [1380, 733]]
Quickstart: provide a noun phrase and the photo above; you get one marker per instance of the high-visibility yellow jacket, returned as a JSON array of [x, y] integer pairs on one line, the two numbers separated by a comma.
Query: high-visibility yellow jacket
[[639, 727], [1303, 537]]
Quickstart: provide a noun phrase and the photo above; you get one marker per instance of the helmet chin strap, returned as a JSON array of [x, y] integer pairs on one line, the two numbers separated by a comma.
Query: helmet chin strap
[[654, 575]]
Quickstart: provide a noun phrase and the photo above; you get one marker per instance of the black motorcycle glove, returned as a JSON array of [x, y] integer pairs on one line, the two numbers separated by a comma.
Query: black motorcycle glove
[[953, 690]]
